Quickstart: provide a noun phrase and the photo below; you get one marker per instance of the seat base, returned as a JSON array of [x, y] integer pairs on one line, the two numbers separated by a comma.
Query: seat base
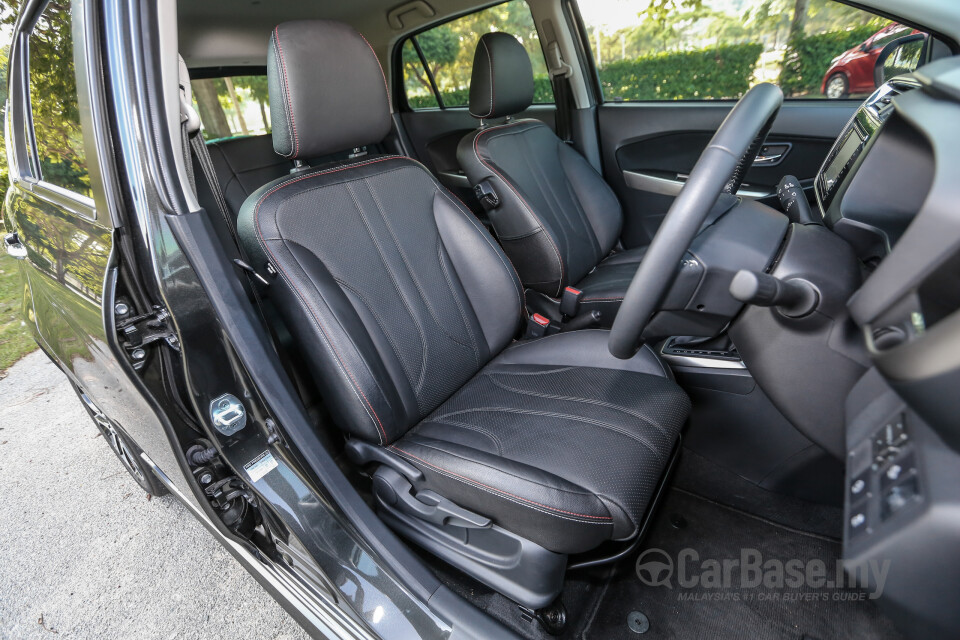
[[520, 569]]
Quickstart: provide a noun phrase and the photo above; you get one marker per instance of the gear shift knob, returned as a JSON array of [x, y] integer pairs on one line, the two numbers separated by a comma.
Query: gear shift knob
[[793, 298]]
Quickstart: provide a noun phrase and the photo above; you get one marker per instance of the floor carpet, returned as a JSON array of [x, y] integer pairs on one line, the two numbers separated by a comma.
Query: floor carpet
[[734, 610]]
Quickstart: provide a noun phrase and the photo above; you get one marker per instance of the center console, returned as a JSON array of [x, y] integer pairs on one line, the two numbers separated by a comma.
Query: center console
[[902, 510]]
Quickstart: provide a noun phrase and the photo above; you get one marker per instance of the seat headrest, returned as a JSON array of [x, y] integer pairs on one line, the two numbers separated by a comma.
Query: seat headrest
[[327, 89], [502, 81]]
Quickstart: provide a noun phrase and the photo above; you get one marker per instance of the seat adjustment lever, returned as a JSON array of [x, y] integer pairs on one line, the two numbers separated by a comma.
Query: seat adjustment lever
[[429, 506], [361, 453]]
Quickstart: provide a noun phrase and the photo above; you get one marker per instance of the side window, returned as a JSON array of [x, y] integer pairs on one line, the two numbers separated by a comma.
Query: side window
[[718, 49], [232, 106], [53, 101], [445, 52]]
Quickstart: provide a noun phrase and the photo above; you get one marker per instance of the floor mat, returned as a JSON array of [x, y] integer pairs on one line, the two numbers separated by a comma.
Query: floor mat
[[706, 478], [708, 605]]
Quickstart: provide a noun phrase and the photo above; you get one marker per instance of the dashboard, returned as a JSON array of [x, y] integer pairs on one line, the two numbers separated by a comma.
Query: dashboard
[[890, 186], [868, 191]]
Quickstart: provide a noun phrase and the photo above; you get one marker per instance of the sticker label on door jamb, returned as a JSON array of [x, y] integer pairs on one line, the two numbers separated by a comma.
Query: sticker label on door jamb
[[260, 466]]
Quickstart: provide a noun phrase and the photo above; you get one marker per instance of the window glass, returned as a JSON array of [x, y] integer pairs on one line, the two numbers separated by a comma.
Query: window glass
[[232, 106], [448, 50], [53, 101], [718, 49]]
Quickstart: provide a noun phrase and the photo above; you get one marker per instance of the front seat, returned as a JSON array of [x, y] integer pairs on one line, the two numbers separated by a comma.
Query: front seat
[[501, 457], [555, 217]]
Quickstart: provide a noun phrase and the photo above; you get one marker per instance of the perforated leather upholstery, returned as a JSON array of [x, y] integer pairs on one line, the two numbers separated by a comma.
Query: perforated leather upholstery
[[406, 308]]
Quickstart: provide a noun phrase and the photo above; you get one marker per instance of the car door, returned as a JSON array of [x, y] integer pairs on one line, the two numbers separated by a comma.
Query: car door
[[433, 68], [665, 81], [63, 243], [56, 215]]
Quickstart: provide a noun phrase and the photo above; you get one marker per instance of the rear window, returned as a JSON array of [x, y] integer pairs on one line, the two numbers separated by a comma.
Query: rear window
[[447, 51], [232, 106], [54, 103]]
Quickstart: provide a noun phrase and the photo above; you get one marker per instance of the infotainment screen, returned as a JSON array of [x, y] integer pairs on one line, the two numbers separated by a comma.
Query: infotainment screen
[[846, 151]]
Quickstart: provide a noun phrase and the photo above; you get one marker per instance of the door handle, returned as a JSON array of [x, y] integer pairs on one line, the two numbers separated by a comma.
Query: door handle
[[772, 154], [12, 243]]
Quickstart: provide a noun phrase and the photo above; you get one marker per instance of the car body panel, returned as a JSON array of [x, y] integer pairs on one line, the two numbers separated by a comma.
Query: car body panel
[[857, 63]]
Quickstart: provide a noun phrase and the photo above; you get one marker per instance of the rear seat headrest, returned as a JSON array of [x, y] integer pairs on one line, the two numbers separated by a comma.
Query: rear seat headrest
[[327, 89]]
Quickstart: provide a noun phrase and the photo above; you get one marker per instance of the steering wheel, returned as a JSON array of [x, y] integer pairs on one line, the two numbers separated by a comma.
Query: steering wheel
[[720, 169]]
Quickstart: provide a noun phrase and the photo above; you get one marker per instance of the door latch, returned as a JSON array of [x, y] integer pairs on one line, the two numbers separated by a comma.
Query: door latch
[[227, 414]]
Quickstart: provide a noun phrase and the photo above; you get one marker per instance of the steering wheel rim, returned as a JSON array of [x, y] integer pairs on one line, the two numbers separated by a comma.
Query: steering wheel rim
[[720, 168]]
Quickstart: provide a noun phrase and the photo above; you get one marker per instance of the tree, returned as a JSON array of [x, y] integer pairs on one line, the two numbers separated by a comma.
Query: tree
[[212, 116], [798, 20], [661, 11], [257, 87]]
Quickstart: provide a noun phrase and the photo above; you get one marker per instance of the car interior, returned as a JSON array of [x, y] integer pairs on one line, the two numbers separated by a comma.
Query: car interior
[[540, 336]]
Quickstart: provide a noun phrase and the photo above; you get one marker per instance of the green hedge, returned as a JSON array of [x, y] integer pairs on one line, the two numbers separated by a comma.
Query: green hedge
[[716, 72], [542, 94], [807, 59]]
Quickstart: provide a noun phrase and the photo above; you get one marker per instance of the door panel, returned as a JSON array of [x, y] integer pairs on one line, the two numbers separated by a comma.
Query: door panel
[[435, 134], [647, 146]]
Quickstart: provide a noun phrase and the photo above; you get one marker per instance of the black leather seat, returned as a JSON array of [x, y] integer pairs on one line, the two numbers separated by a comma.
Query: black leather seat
[[405, 308], [557, 219]]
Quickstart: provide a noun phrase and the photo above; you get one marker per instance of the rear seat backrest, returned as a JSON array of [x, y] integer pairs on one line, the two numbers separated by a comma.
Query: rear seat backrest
[[244, 165]]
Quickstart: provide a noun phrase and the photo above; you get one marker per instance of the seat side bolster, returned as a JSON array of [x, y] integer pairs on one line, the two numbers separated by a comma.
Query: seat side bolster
[[525, 238], [489, 281], [348, 368], [586, 348], [367, 399], [597, 199], [565, 517]]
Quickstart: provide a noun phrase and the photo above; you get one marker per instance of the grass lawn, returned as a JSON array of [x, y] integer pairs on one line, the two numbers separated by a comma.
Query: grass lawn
[[15, 339]]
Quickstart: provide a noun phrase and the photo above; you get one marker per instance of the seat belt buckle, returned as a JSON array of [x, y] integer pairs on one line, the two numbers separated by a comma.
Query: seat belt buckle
[[570, 301], [537, 326], [486, 195]]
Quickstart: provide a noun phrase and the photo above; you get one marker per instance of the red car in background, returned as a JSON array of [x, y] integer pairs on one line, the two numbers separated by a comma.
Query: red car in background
[[852, 70]]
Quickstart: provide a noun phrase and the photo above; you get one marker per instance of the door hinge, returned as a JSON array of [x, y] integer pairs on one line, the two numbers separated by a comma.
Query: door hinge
[[138, 332]]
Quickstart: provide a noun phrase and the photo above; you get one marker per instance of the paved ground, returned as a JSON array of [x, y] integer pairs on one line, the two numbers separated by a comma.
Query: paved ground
[[85, 552]]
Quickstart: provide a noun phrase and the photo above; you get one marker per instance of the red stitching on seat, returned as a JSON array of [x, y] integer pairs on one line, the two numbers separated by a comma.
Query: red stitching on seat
[[382, 74], [286, 86], [571, 513], [256, 218]]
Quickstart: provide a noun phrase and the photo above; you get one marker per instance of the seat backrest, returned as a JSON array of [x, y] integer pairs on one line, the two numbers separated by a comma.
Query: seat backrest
[[245, 164], [391, 288], [557, 218]]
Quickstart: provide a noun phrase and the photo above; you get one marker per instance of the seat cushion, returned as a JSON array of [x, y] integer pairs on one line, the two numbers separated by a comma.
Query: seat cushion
[[604, 287], [555, 440]]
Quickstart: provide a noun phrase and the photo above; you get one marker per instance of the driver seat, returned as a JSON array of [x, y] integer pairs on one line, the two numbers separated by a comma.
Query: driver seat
[[556, 218], [501, 457]]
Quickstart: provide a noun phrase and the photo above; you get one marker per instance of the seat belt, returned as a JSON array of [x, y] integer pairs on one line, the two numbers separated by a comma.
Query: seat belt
[[561, 93], [560, 73], [195, 147]]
